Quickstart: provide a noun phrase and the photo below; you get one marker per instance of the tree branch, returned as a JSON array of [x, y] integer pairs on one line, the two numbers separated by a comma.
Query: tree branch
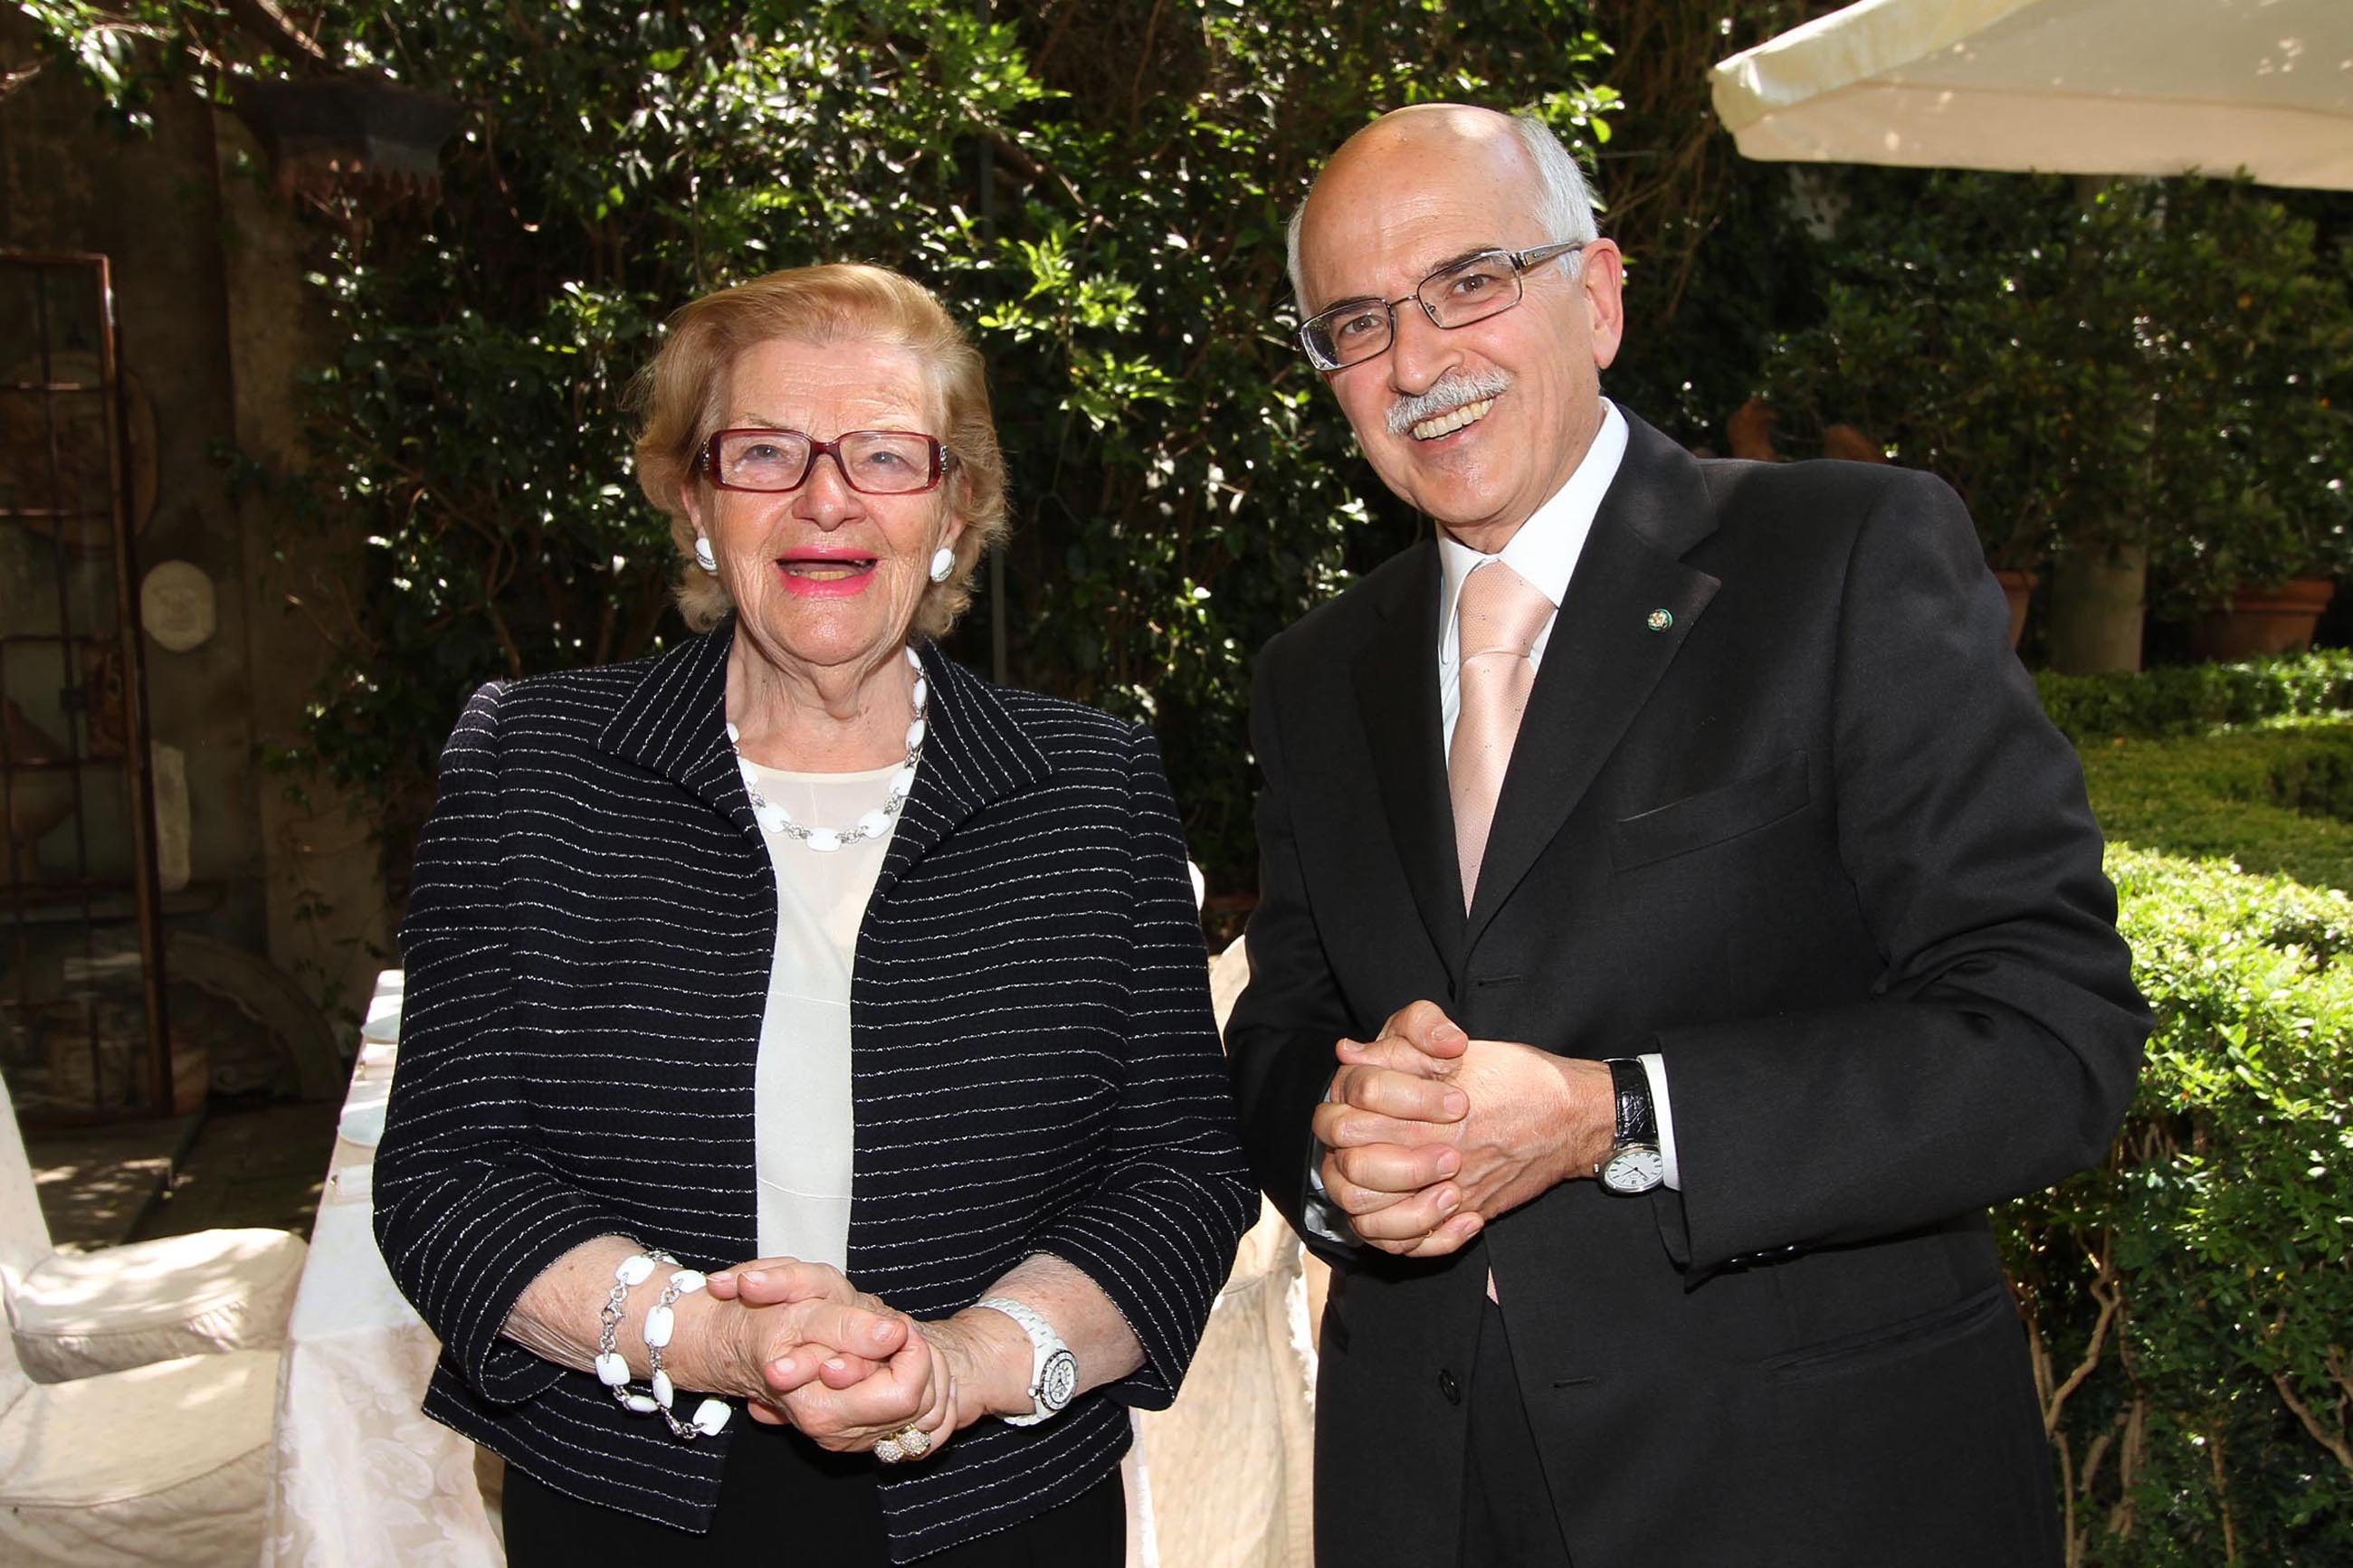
[[2222, 1498], [2335, 1444], [2110, 1300], [264, 21], [10, 80]]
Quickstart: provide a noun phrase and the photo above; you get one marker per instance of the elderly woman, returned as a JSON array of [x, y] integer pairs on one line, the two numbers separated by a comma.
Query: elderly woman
[[799, 941]]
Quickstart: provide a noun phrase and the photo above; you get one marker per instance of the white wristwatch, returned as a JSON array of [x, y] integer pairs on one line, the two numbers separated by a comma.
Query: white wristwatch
[[1053, 1370]]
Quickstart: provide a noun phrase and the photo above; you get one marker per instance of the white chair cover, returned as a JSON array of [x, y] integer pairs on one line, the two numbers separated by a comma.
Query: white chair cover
[[24, 1232], [75, 1315], [1223, 1478], [78, 1314], [163, 1465], [167, 1464]]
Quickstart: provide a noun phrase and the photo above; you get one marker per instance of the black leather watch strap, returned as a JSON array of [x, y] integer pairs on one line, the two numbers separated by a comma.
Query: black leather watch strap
[[1638, 1120]]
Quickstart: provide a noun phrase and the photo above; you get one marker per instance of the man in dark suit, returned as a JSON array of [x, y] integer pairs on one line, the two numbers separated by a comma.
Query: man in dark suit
[[1668, 945]]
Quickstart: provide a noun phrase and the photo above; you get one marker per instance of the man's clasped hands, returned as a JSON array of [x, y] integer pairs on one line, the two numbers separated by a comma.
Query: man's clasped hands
[[1429, 1135]]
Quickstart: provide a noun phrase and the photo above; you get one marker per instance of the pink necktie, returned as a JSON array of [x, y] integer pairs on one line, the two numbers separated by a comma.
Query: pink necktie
[[1497, 617]]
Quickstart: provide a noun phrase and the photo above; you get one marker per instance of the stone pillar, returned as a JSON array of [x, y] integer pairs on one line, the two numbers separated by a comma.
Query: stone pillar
[[325, 920]]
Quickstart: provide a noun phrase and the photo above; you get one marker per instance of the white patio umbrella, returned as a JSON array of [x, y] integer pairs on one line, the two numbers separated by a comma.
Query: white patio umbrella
[[2092, 87]]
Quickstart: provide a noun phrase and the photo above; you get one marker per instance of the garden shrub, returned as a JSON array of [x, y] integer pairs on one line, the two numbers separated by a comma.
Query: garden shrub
[[2276, 799], [2158, 360], [2190, 699], [2189, 1302]]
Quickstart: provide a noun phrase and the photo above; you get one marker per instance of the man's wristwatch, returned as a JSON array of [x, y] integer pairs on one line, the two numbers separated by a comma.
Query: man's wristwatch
[[1633, 1164], [1053, 1370]]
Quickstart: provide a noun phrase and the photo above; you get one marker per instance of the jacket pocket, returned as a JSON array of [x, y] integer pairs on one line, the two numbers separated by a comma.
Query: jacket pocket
[[1905, 1337], [1711, 816]]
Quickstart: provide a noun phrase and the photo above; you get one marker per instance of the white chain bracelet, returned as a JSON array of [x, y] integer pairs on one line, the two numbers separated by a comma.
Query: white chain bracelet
[[711, 1414], [613, 1367]]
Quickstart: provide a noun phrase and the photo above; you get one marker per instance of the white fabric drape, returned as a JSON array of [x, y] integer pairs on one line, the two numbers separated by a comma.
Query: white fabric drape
[[2102, 87]]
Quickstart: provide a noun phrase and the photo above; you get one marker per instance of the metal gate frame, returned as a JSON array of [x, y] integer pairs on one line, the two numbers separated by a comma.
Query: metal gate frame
[[17, 895]]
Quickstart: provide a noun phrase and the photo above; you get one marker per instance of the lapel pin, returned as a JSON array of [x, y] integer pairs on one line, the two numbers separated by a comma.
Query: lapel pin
[[1660, 620]]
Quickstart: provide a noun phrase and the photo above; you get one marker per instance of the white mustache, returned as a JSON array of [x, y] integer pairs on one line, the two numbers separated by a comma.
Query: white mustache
[[1447, 394]]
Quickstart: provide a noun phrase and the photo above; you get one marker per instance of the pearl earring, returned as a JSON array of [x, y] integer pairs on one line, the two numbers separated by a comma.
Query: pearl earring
[[943, 564], [702, 556]]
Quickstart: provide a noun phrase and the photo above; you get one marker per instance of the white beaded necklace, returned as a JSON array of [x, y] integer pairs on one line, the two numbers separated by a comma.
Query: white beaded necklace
[[875, 823]]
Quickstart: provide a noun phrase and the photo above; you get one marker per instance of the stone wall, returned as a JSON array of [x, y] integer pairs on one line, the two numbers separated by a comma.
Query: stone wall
[[215, 324]]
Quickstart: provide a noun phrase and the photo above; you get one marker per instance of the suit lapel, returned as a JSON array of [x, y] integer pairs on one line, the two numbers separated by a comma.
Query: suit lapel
[[676, 724], [1607, 650], [976, 754], [1396, 699]]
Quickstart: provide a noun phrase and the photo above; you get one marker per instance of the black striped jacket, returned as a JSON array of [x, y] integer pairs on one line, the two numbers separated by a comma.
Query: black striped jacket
[[1034, 1063]]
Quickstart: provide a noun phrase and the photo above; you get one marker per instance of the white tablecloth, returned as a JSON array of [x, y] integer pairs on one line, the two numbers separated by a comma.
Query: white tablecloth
[[360, 1477]]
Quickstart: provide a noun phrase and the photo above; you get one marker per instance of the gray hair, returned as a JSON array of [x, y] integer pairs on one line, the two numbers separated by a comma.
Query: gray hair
[[1564, 200]]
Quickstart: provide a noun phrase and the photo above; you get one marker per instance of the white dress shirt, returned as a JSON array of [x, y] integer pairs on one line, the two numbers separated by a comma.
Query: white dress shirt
[[1543, 551]]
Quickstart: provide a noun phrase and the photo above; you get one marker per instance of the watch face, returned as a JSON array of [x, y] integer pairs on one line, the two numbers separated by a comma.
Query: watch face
[[1057, 1380], [1633, 1168]]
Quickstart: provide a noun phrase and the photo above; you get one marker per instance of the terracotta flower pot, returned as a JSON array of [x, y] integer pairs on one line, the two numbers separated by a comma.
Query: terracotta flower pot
[[2254, 622], [2018, 587]]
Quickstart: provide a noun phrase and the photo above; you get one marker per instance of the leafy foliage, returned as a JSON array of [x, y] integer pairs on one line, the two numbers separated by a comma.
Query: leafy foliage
[[1721, 260], [2188, 1301], [2193, 699], [2273, 800], [2172, 354], [1098, 189]]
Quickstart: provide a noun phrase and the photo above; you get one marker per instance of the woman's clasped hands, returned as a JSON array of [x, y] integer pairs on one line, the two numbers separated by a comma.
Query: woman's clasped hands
[[847, 1371]]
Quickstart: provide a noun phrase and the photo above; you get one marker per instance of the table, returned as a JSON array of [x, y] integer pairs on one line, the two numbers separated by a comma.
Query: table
[[358, 1476]]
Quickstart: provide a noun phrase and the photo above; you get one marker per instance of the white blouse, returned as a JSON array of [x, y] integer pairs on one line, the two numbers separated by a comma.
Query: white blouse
[[801, 1105]]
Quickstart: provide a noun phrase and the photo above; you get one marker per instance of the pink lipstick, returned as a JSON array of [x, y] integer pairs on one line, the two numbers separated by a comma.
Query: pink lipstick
[[826, 574]]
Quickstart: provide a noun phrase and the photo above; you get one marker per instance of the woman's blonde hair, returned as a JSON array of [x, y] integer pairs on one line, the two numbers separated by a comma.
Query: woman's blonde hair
[[681, 398]]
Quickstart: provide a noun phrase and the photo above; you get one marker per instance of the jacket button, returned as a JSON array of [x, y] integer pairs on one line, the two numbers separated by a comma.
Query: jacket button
[[1448, 1386]]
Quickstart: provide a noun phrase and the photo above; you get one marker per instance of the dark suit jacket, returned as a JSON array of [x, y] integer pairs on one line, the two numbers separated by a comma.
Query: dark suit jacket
[[1034, 1066], [1808, 836]]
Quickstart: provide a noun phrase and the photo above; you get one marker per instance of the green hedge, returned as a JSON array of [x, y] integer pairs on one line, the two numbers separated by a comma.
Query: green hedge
[[2192, 699], [2278, 799], [2191, 1301]]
